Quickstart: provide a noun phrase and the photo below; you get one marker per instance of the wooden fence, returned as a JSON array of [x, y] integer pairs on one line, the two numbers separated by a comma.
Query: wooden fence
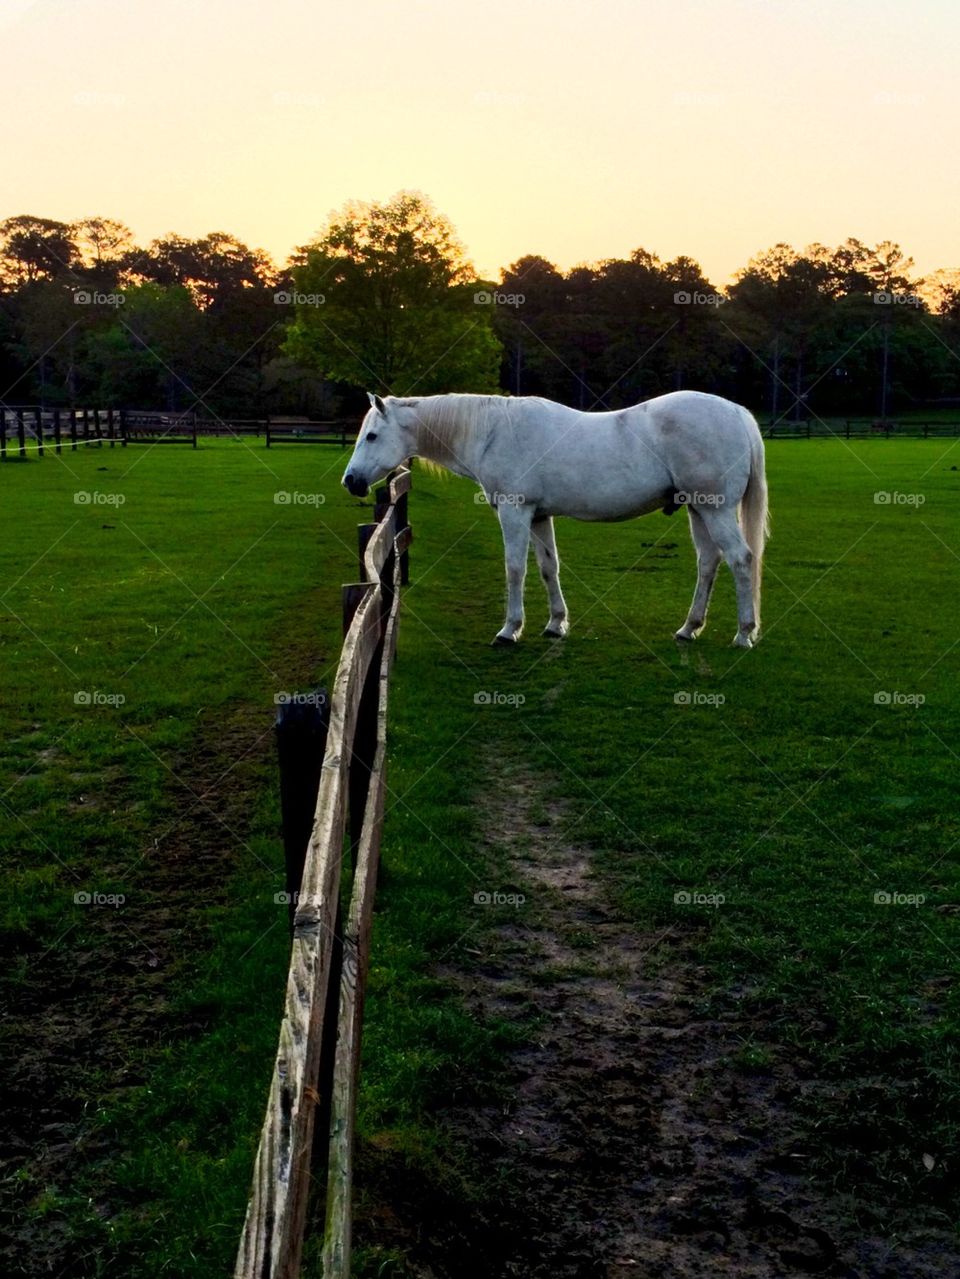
[[26, 428], [30, 429], [857, 429], [301, 430], [315, 1073]]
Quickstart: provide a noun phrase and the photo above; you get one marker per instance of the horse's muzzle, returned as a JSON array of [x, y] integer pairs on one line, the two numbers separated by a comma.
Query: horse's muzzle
[[354, 485]]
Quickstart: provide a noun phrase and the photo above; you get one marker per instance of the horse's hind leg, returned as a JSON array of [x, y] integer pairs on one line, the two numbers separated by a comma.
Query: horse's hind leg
[[548, 562], [708, 561], [515, 527], [723, 529]]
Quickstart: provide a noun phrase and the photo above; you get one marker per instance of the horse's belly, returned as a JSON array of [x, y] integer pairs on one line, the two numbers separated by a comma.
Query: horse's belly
[[616, 498], [612, 515]]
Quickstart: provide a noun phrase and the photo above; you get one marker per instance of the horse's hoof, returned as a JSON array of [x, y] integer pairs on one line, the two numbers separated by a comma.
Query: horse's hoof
[[507, 641], [550, 633], [742, 641], [684, 639]]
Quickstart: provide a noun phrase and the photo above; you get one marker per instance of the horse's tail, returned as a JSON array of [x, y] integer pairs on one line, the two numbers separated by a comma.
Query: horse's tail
[[754, 514]]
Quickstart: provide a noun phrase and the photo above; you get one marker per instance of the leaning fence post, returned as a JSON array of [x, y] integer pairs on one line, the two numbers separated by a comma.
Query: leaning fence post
[[381, 503], [403, 523], [365, 734], [301, 742], [301, 729], [364, 534]]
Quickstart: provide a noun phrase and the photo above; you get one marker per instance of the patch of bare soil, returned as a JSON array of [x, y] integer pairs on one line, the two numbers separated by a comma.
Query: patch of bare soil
[[78, 1026], [636, 1142]]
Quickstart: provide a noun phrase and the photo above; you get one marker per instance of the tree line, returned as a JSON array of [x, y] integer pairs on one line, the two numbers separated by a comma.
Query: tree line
[[385, 298]]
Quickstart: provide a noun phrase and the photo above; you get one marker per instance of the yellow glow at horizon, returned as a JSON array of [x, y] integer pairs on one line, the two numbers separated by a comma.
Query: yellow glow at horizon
[[574, 130]]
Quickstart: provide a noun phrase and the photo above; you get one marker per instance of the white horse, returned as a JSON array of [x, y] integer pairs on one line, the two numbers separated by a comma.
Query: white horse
[[535, 459]]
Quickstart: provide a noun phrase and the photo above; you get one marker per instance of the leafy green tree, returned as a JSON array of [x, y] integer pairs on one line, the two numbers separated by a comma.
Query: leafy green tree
[[233, 286], [145, 357], [392, 304], [47, 339]]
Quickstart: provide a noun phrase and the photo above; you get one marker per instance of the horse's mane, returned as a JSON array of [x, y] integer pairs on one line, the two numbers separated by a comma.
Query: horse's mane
[[446, 424]]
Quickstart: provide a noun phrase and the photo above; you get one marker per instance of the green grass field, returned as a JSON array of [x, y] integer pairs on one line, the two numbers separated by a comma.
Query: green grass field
[[797, 782]]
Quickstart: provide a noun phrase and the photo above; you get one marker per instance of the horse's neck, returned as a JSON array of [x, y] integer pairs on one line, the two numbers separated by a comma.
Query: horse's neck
[[457, 451]]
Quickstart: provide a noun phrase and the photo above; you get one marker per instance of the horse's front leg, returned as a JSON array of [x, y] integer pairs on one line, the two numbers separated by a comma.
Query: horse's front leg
[[515, 526], [548, 561]]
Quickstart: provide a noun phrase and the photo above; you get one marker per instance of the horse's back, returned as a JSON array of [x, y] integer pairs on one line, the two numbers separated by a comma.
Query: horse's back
[[624, 462], [680, 410]]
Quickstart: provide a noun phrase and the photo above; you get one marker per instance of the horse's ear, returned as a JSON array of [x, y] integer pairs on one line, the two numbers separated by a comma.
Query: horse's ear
[[377, 403], [373, 399]]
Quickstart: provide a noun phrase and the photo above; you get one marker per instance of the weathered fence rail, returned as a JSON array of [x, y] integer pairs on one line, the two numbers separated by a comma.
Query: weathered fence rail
[[317, 1062]]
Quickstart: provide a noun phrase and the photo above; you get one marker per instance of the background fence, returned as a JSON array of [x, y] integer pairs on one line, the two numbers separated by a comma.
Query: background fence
[[30, 429], [857, 428], [315, 1073]]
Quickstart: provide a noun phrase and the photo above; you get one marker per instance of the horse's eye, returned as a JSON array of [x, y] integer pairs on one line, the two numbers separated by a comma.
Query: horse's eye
[[371, 436]]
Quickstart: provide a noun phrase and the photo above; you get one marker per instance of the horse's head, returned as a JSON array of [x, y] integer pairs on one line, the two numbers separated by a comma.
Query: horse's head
[[383, 443]]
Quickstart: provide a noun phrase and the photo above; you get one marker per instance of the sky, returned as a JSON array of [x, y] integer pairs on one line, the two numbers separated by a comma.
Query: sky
[[574, 129]]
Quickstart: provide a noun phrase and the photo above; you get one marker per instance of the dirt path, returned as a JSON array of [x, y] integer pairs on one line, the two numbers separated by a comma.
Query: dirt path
[[637, 1141]]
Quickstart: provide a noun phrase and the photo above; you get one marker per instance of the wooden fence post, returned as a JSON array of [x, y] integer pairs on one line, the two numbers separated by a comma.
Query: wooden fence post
[[3, 434], [364, 534], [38, 418], [21, 435], [301, 729], [364, 749], [403, 522], [352, 594], [56, 430], [381, 503]]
